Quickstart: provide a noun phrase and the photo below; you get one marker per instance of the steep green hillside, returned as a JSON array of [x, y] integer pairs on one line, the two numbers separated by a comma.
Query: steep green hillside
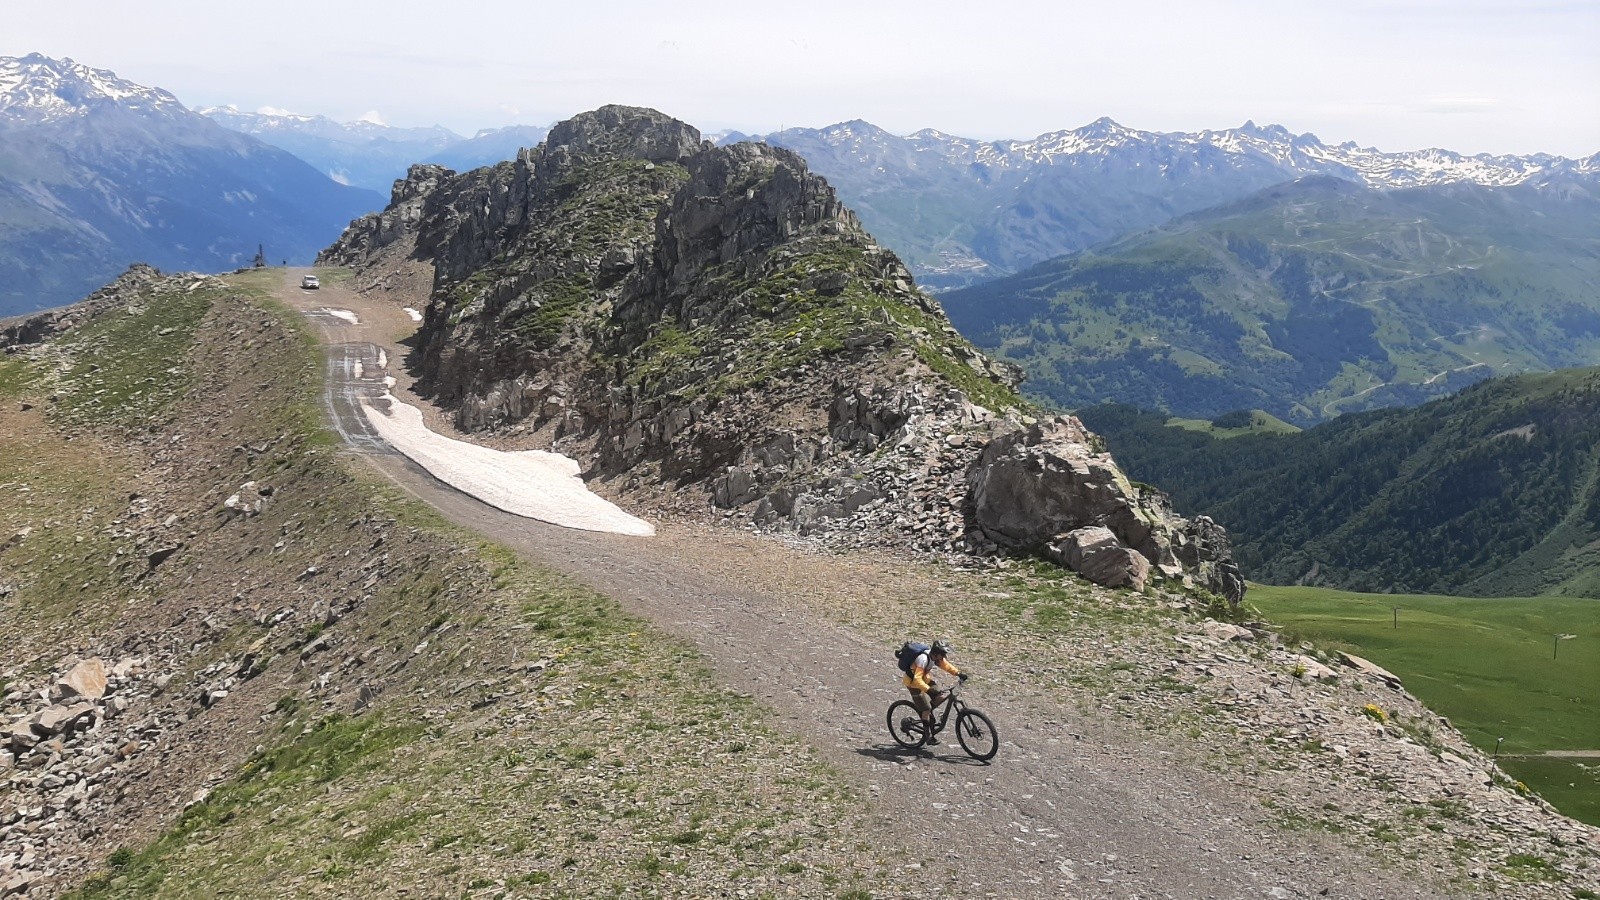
[[1309, 300], [1493, 492]]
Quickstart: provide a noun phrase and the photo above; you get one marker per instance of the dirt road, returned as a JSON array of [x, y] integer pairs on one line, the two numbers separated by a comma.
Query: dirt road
[[1071, 807]]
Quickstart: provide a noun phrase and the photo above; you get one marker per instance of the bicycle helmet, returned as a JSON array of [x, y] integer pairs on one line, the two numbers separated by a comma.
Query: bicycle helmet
[[940, 647]]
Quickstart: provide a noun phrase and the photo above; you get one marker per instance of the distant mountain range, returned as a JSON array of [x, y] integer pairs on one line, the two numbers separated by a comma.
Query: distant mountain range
[[97, 172], [371, 155], [961, 210], [1310, 299], [1492, 492]]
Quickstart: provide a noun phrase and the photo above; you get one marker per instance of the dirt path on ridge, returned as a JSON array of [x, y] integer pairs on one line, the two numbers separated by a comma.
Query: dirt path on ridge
[[1071, 807]]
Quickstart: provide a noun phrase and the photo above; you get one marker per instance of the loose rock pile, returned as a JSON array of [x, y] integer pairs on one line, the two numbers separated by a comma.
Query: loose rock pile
[[65, 743]]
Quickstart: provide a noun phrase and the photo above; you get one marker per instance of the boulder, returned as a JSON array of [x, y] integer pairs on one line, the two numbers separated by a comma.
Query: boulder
[[1316, 671], [1096, 554], [1368, 667], [61, 719], [247, 500], [21, 736], [1045, 479], [87, 679], [1227, 631], [736, 487]]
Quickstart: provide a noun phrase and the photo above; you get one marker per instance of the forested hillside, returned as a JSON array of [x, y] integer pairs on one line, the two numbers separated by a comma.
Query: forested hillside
[[1492, 492], [1309, 300]]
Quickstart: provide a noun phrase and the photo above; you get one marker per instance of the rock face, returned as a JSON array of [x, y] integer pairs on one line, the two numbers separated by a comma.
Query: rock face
[[687, 316]]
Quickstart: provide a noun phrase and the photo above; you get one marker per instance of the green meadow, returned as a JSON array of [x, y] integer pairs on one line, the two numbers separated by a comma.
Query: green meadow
[[1494, 666]]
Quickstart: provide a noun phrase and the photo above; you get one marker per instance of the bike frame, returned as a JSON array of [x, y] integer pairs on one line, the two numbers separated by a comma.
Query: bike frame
[[952, 705]]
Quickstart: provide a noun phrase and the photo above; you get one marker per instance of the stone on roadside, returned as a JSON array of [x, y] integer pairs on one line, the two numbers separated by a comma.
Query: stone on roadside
[[1370, 668], [1097, 554]]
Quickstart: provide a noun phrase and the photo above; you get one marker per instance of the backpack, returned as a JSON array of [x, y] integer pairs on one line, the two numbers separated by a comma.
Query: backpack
[[908, 653]]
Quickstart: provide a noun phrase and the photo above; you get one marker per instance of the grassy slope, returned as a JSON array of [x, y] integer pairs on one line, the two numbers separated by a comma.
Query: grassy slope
[[1489, 664], [792, 325], [504, 748]]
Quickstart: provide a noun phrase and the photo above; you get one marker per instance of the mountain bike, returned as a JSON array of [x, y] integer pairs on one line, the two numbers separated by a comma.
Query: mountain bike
[[973, 729]]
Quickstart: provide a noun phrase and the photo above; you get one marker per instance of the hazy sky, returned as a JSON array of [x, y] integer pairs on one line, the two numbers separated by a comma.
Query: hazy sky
[[1468, 75]]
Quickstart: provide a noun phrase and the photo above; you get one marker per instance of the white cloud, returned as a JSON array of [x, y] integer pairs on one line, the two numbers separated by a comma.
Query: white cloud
[[372, 116]]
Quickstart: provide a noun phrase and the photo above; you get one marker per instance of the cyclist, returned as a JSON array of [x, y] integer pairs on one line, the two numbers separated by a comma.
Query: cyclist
[[925, 695]]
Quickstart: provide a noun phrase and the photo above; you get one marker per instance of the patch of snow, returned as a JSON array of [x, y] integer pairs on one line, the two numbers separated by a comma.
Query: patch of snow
[[344, 314], [531, 483], [415, 316]]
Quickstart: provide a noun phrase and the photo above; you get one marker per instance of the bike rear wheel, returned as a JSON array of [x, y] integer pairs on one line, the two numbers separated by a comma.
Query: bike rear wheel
[[977, 735], [905, 725]]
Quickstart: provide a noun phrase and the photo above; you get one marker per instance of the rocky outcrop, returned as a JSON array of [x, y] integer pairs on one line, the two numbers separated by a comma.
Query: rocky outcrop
[[679, 315], [396, 222], [1035, 487]]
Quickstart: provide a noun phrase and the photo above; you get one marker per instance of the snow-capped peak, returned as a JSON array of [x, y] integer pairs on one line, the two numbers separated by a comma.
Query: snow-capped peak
[[1250, 144], [36, 89]]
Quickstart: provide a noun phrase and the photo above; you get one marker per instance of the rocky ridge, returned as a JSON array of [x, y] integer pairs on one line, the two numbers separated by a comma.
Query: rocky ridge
[[36, 328], [696, 321]]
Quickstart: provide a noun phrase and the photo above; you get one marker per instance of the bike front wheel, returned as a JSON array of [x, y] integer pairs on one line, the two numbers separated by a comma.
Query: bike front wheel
[[905, 725], [977, 735]]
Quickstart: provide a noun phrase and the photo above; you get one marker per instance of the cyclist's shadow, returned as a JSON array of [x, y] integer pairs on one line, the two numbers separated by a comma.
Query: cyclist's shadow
[[897, 754]]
